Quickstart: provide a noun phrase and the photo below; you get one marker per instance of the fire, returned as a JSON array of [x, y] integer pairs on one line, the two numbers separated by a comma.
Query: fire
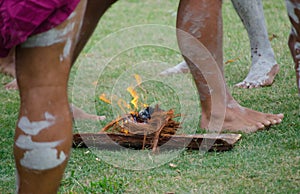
[[135, 96], [122, 103], [138, 79], [124, 106], [104, 99]]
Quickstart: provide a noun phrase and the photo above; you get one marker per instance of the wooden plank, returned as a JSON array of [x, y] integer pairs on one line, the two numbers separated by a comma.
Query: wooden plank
[[113, 141]]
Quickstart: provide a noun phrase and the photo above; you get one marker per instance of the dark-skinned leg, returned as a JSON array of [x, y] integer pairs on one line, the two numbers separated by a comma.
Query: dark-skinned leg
[[293, 8], [7, 64], [94, 10], [203, 20], [264, 66], [44, 130]]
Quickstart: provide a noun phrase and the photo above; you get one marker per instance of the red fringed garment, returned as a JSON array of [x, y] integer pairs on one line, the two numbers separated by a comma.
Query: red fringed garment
[[20, 19]]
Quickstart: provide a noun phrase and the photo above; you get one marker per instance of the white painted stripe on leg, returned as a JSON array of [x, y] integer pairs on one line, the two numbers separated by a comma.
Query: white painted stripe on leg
[[38, 155], [42, 159], [67, 50], [33, 128], [291, 10], [48, 38], [25, 142]]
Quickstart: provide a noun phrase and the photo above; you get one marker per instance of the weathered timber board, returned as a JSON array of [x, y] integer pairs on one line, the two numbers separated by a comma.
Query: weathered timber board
[[113, 141]]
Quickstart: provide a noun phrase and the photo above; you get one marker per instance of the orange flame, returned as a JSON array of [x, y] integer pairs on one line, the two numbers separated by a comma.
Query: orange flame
[[135, 99], [104, 99], [122, 103], [138, 79], [125, 131]]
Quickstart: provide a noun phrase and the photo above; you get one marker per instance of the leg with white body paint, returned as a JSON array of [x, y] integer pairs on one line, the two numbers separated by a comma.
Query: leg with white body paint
[[94, 10], [264, 66], [9, 68], [293, 8], [44, 131], [203, 20]]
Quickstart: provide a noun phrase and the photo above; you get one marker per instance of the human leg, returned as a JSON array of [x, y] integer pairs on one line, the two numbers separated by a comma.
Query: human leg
[[7, 64], [203, 20], [77, 113], [293, 8], [181, 67], [94, 11], [44, 129], [264, 66]]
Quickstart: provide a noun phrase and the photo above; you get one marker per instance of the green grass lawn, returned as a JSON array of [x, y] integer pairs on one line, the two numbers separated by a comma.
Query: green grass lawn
[[263, 162]]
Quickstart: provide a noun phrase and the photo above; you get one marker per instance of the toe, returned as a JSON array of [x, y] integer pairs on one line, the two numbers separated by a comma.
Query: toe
[[260, 125], [101, 118], [275, 119], [267, 123], [279, 121], [240, 85], [280, 116], [274, 122], [252, 86], [257, 86]]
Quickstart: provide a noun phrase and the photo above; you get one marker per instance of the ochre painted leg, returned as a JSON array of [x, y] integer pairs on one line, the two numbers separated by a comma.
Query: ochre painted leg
[[203, 20], [44, 130], [293, 8]]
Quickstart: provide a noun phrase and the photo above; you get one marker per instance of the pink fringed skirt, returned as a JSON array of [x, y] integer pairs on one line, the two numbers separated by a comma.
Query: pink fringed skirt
[[20, 19]]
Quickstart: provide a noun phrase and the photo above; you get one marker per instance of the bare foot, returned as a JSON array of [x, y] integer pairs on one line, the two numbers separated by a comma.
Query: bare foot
[[241, 119], [79, 114], [260, 75], [180, 68], [12, 85], [7, 69]]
